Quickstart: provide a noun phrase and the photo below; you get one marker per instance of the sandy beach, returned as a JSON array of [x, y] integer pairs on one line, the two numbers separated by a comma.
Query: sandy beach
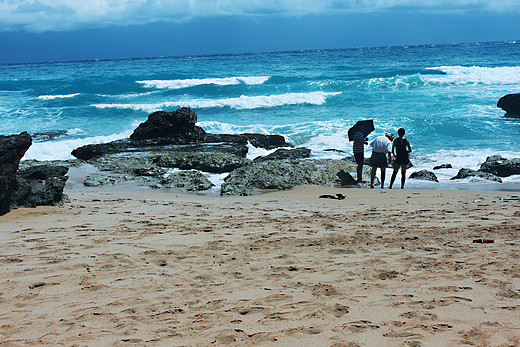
[[378, 268]]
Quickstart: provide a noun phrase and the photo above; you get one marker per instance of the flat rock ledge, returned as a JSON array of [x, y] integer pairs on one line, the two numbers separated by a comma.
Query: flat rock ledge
[[285, 174]]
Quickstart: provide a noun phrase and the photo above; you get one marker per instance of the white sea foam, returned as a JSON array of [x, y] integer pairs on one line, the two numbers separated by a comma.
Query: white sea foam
[[242, 102], [475, 75], [227, 128], [131, 95], [52, 97], [186, 83], [61, 149], [452, 75]]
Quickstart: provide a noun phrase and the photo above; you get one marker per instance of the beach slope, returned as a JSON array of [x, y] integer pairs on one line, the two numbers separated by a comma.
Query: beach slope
[[380, 267]]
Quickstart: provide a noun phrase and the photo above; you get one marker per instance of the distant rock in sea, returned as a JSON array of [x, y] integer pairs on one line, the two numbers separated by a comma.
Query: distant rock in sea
[[511, 104]]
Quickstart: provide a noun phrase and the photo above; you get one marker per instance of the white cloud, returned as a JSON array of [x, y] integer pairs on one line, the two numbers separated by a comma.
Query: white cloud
[[58, 15]]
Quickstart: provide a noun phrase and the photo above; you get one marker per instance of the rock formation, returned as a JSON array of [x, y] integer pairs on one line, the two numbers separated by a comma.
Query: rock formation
[[500, 166], [179, 126], [163, 129], [12, 149], [40, 185], [510, 103], [424, 175], [285, 174], [465, 173]]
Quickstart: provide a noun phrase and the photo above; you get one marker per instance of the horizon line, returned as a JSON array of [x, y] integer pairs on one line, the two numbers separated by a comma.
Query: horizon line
[[264, 52]]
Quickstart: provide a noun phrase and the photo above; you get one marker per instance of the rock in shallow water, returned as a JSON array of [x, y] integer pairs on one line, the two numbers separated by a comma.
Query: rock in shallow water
[[510, 103], [465, 173], [501, 166], [424, 175]]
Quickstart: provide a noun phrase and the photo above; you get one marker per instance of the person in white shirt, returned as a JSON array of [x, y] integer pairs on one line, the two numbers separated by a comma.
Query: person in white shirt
[[381, 148]]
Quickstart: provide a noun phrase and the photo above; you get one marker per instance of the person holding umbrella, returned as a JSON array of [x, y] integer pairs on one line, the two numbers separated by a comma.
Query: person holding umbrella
[[358, 134]]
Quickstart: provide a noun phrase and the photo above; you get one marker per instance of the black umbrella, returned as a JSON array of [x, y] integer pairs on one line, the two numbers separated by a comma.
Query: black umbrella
[[367, 128]]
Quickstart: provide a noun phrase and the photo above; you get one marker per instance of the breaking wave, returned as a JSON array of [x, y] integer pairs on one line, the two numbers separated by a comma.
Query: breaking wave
[[186, 83], [242, 102]]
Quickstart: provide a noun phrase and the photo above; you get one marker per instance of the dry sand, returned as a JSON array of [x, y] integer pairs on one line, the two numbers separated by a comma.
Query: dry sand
[[379, 268]]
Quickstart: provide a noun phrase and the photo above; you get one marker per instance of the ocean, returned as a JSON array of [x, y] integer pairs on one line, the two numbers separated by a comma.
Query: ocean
[[444, 96]]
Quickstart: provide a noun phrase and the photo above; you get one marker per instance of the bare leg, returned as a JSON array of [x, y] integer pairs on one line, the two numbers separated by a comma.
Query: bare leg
[[360, 173], [394, 174], [372, 176], [403, 175], [383, 173]]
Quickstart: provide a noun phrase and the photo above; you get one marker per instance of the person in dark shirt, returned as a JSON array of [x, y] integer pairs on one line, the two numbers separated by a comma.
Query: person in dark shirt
[[360, 141], [400, 149]]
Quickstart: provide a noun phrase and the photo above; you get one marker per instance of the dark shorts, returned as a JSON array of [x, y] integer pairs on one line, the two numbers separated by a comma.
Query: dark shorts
[[360, 158], [378, 160], [402, 160]]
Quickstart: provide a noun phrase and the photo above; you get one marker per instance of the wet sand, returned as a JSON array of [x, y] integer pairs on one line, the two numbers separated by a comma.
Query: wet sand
[[380, 267]]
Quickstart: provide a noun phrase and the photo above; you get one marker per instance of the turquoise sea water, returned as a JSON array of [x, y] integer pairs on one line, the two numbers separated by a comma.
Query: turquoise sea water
[[445, 97]]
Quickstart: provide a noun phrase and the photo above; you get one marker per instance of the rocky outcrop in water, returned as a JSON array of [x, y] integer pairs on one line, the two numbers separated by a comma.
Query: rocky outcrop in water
[[510, 103], [285, 174], [162, 130], [178, 126], [12, 149], [424, 175], [500, 166], [466, 173], [40, 185], [443, 166]]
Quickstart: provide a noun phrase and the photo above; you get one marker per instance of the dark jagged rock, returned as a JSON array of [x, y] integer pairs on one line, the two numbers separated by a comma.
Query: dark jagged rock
[[166, 129], [510, 103], [92, 151], [465, 173], [282, 153], [88, 152], [40, 185], [179, 124], [424, 175], [187, 180], [443, 166], [203, 161], [501, 166], [12, 149], [285, 174]]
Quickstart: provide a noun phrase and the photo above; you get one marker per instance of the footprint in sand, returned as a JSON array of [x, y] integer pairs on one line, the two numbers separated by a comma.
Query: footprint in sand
[[360, 325], [324, 289]]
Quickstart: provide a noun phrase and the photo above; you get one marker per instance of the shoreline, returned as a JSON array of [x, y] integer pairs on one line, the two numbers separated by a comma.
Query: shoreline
[[78, 174], [386, 267]]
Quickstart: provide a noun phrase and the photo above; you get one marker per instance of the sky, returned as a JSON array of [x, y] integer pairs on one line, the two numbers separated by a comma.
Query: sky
[[66, 30]]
